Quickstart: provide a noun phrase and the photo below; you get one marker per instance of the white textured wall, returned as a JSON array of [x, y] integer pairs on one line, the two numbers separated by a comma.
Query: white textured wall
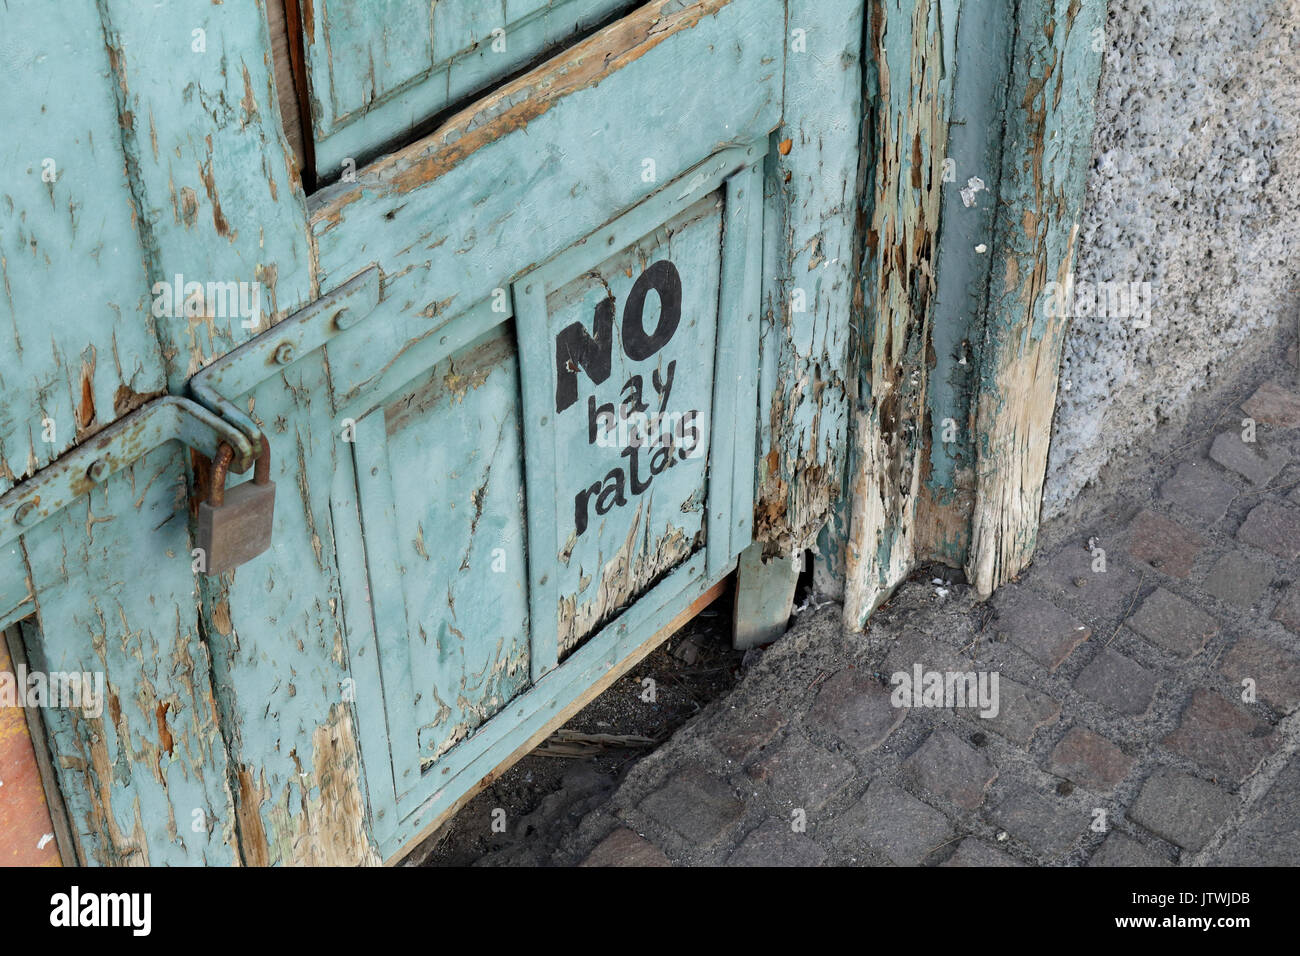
[[1195, 94]]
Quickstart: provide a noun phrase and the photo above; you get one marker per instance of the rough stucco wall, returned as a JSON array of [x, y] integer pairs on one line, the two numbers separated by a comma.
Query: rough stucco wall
[[1195, 94]]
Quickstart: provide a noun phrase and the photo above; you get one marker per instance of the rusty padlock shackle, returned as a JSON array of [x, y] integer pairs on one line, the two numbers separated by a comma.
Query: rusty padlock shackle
[[221, 470]]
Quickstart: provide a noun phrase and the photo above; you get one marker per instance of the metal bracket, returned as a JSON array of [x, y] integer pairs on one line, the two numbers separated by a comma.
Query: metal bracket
[[75, 473], [299, 335]]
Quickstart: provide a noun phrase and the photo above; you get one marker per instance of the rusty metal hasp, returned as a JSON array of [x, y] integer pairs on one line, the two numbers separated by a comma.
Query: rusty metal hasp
[[75, 473]]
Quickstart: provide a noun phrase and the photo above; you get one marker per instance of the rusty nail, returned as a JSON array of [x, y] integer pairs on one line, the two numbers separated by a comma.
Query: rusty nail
[[285, 353], [344, 319], [24, 512], [98, 471]]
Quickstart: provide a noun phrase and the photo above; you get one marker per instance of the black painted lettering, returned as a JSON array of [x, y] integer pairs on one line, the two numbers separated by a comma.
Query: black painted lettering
[[600, 419], [612, 493], [575, 347], [580, 506], [661, 276]]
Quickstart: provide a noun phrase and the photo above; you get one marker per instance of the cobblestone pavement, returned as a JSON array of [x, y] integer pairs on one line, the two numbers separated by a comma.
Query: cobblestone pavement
[[1146, 712]]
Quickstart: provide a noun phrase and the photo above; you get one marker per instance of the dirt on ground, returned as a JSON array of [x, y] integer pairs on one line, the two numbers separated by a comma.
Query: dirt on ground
[[547, 793]]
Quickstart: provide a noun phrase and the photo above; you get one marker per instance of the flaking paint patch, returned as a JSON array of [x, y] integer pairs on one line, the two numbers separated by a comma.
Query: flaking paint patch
[[909, 127], [318, 820], [638, 563]]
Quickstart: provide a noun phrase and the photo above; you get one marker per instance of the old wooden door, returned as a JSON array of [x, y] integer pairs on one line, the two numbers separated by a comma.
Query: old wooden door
[[580, 300]]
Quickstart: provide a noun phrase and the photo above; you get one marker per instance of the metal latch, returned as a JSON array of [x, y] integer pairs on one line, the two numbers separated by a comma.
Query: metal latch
[[211, 424], [76, 472], [234, 375]]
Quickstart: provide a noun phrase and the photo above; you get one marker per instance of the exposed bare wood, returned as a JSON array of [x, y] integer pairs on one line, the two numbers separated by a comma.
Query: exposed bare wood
[[291, 83]]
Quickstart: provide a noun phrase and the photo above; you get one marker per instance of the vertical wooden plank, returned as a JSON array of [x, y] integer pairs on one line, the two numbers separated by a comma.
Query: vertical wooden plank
[[286, 56], [970, 194], [143, 766], [537, 387], [909, 82], [1046, 152], [744, 229], [809, 272], [217, 191], [280, 655], [77, 345], [381, 527]]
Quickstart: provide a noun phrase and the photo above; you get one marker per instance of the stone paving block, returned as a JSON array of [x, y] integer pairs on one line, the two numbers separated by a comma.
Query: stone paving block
[[801, 773], [1254, 461], [952, 769], [1276, 672], [1070, 573], [1117, 682], [1274, 404], [856, 708], [625, 848], [695, 804], [973, 852], [1274, 528], [1287, 611], [1090, 760], [891, 820], [1182, 809], [1021, 712], [1239, 579], [774, 843], [1270, 836], [1119, 849], [1163, 544], [746, 735], [915, 648], [1173, 623], [1197, 488], [1045, 824], [1038, 627], [1221, 736]]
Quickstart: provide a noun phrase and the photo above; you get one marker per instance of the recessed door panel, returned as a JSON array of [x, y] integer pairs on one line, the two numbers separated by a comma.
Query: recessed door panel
[[632, 410], [377, 69], [439, 472]]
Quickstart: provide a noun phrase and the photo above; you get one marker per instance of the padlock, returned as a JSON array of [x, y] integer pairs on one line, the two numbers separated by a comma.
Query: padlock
[[234, 525]]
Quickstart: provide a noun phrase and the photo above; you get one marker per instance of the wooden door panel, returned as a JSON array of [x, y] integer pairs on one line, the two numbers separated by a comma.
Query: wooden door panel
[[453, 461], [630, 505], [377, 69]]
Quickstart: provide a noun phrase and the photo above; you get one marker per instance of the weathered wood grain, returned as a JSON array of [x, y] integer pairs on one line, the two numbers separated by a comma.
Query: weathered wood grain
[[909, 79], [809, 273], [970, 196], [217, 193], [285, 51], [78, 341], [1055, 68], [280, 658], [379, 69], [144, 771]]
